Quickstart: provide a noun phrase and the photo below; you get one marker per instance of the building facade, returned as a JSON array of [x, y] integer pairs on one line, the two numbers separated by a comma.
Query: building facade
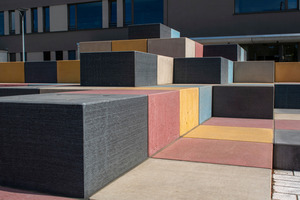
[[53, 28]]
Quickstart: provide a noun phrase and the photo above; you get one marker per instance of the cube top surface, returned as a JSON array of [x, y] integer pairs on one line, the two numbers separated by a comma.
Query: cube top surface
[[288, 137]]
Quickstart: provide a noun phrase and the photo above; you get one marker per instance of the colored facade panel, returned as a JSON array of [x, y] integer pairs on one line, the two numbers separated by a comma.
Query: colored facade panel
[[130, 45], [68, 71], [287, 72], [12, 72]]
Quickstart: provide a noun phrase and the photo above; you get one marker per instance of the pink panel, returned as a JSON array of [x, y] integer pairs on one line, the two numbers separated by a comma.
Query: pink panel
[[287, 124], [199, 50], [248, 154], [12, 84]]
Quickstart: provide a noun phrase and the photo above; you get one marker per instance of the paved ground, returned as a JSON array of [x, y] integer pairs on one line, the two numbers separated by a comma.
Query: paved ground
[[286, 185]]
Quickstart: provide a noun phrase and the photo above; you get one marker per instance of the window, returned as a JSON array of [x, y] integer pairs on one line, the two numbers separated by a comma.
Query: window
[[72, 55], [47, 56], [59, 55], [34, 20], [12, 57], [246, 6], [148, 11], [128, 12], [113, 13], [12, 28], [85, 16], [1, 23], [46, 18]]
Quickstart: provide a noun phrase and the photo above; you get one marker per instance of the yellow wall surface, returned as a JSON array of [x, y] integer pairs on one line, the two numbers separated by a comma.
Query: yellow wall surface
[[12, 72], [287, 72], [68, 71], [130, 45]]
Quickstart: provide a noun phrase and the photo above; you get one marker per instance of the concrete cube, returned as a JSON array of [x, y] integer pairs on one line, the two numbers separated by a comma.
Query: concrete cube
[[254, 72], [287, 96], [149, 31], [232, 52], [69, 144], [41, 72], [203, 70], [130, 45], [243, 101], [198, 50], [175, 34], [287, 72], [95, 46], [12, 72], [165, 66], [118, 69], [68, 71], [22, 90]]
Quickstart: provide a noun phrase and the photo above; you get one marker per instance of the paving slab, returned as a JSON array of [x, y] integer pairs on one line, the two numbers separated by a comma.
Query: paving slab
[[239, 153], [158, 179], [287, 124], [240, 122]]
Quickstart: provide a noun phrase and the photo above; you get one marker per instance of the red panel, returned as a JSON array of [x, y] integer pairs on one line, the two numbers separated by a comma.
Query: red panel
[[248, 154], [240, 122], [199, 50], [287, 124], [163, 115]]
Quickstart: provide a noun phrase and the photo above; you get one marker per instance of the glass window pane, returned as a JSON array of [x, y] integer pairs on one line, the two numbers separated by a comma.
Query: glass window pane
[[46, 19], [246, 6], [148, 11], [12, 22], [72, 55], [128, 12], [72, 17], [113, 14], [1, 23], [34, 20], [59, 55], [292, 4], [89, 15]]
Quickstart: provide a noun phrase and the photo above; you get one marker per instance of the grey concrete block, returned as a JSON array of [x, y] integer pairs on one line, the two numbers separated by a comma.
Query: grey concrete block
[[254, 72], [232, 52], [118, 69], [243, 101], [13, 91], [41, 72], [202, 71], [3, 56], [287, 150], [287, 96], [149, 31], [70, 144]]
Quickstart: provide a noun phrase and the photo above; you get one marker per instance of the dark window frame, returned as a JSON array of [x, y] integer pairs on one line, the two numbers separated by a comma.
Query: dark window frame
[[110, 13], [46, 29], [34, 29]]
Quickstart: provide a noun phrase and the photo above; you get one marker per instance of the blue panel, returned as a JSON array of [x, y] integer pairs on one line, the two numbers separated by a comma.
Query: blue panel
[[128, 12], [175, 34], [113, 14], [148, 11], [89, 15], [246, 6], [230, 71], [72, 17], [293, 4], [46, 20], [34, 20], [1, 23]]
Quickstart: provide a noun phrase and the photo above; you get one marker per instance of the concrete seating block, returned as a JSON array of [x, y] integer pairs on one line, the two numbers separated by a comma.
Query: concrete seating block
[[163, 115], [232, 52], [287, 114], [243, 101], [198, 50], [69, 144], [287, 149], [175, 34], [118, 69], [130, 45], [250, 154], [174, 47], [149, 31], [287, 96], [68, 71], [165, 66], [254, 72], [203, 71], [287, 125], [95, 46], [287, 72], [13, 84], [12, 72], [14, 91], [41, 72]]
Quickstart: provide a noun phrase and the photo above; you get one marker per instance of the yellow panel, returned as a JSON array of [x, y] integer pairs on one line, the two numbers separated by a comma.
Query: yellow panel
[[232, 133], [12, 72], [130, 45], [68, 71], [287, 72]]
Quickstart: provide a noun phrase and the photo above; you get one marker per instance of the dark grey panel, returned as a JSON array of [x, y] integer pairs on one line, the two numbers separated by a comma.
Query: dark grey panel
[[13, 91], [118, 69], [200, 71], [243, 102], [287, 96], [40, 72], [229, 51], [148, 31], [69, 144]]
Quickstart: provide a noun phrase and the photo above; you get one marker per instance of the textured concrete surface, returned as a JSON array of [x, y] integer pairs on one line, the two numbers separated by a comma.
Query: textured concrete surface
[[287, 114], [41, 72], [158, 179], [21, 90], [175, 47], [165, 66], [254, 72], [70, 144], [226, 152], [95, 46], [287, 124], [163, 115], [240, 122], [287, 72], [287, 96], [149, 31], [229, 51], [286, 185], [248, 101], [175, 34], [198, 50], [118, 69], [232, 133], [130, 45], [202, 71], [12, 72], [68, 71]]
